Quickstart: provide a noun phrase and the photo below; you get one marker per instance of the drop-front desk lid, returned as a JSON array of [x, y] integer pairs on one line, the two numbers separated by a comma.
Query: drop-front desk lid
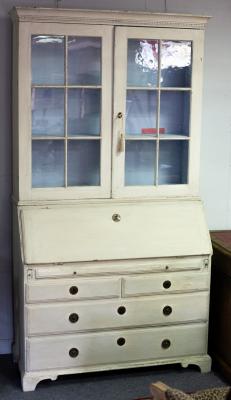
[[112, 230]]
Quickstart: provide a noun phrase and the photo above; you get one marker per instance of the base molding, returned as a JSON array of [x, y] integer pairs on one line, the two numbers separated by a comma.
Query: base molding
[[31, 379]]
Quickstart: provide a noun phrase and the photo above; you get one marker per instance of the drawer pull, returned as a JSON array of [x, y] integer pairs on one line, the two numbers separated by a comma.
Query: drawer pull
[[73, 353], [116, 217], [121, 341], [165, 344], [73, 318], [121, 310], [73, 290], [167, 284], [167, 310]]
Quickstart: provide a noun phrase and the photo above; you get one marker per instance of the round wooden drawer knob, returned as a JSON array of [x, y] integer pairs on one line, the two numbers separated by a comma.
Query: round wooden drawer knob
[[165, 344], [121, 310], [73, 353], [167, 310], [121, 341], [167, 284], [73, 290], [73, 318]]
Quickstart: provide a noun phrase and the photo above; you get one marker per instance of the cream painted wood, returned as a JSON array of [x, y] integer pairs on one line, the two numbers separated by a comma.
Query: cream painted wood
[[120, 84], [109, 17], [25, 110], [154, 283], [54, 318], [102, 348], [146, 229], [122, 267], [66, 238], [86, 288], [31, 379]]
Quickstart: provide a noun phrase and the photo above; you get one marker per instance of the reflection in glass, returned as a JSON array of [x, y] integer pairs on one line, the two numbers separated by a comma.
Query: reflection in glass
[[141, 108], [83, 163], [173, 162], [142, 66], [47, 58], [140, 162], [47, 163], [84, 111], [174, 112], [84, 60], [47, 112], [176, 64]]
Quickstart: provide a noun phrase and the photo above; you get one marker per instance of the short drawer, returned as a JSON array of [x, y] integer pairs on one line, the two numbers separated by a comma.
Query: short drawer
[[164, 283], [108, 314], [72, 289], [108, 348]]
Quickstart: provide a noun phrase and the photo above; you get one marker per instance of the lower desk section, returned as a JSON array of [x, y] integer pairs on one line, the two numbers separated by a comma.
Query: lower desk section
[[122, 346]]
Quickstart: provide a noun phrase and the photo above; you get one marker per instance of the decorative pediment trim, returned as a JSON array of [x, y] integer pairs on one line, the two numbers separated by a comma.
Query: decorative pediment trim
[[108, 17]]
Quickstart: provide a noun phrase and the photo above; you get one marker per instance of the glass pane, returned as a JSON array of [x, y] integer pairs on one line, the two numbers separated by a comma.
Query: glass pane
[[174, 112], [140, 162], [84, 109], [83, 163], [84, 60], [173, 162], [176, 63], [142, 66], [47, 53], [47, 163], [141, 108], [47, 112]]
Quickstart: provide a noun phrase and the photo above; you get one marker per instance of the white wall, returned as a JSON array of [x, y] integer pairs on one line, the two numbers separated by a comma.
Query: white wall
[[216, 124]]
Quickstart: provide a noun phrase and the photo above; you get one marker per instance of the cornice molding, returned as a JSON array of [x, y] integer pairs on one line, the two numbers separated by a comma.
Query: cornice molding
[[106, 17]]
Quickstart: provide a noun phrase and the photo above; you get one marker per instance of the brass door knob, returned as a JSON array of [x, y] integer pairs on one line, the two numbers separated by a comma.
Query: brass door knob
[[116, 217]]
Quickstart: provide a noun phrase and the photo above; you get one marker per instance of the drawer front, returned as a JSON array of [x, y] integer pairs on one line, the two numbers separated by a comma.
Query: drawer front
[[122, 267], [145, 229], [72, 351], [72, 289], [165, 283], [74, 317]]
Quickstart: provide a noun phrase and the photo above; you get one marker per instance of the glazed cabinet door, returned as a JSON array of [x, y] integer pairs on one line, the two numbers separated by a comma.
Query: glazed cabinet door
[[65, 111], [157, 94]]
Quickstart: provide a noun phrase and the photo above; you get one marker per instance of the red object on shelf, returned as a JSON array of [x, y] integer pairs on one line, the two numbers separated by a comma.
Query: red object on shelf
[[152, 131]]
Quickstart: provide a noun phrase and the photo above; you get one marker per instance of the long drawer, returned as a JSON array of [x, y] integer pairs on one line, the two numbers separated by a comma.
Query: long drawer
[[72, 289], [137, 285], [74, 317], [123, 346]]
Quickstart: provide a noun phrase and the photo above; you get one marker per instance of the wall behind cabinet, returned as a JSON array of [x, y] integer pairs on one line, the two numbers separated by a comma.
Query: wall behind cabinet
[[215, 177]]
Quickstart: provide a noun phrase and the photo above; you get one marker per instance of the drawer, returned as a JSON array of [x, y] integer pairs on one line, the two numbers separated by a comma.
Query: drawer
[[108, 348], [72, 289], [120, 267], [165, 283], [82, 316]]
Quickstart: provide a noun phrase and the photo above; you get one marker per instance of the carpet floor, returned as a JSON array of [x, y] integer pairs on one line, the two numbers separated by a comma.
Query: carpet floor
[[117, 385]]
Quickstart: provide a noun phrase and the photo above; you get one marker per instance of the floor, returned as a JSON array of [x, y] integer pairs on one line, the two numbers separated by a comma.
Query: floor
[[116, 385]]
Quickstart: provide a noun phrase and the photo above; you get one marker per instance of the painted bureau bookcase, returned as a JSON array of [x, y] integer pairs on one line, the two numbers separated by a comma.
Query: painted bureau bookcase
[[111, 248]]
